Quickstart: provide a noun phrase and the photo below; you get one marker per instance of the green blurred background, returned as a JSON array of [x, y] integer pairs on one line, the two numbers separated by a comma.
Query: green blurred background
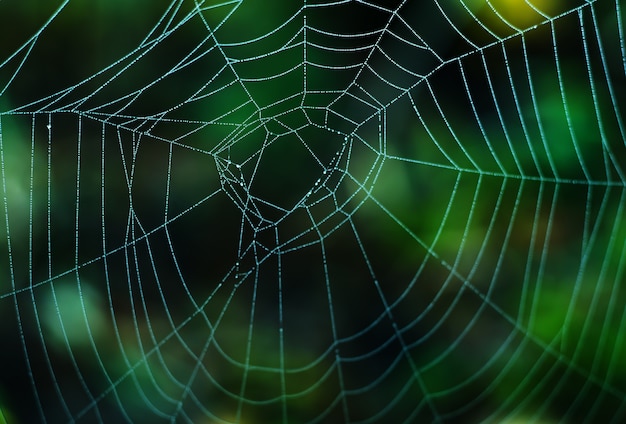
[[428, 237]]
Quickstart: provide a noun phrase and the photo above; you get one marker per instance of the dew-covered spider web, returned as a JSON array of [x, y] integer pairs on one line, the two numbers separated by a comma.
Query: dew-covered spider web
[[296, 211]]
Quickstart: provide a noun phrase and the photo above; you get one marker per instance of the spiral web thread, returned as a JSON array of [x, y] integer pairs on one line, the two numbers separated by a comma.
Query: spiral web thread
[[340, 211]]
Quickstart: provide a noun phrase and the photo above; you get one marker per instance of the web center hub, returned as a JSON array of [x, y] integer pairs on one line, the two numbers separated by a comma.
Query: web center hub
[[268, 174]]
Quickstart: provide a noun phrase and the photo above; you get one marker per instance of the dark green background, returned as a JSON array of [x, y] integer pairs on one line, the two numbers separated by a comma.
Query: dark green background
[[504, 272]]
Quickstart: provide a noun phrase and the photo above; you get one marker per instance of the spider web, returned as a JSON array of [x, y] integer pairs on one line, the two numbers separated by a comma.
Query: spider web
[[314, 211]]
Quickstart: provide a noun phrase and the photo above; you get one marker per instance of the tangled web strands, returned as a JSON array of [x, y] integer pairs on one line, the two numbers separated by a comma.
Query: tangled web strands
[[318, 211]]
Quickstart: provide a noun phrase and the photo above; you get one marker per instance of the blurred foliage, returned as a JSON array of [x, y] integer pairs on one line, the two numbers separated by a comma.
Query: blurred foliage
[[134, 327]]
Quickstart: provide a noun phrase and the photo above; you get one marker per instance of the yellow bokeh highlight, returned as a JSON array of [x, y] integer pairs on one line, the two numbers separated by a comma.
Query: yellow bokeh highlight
[[523, 13]]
